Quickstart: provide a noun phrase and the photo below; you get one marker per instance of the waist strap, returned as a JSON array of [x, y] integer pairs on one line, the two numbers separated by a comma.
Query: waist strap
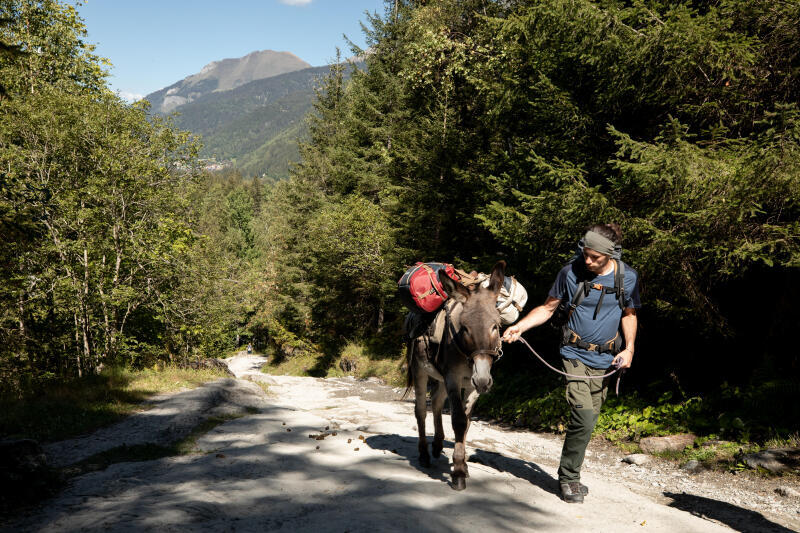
[[614, 346]]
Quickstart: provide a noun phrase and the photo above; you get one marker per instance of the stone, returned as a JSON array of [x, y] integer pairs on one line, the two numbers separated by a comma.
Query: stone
[[347, 364], [375, 379], [692, 466], [670, 443], [636, 459], [787, 492], [776, 460], [208, 364]]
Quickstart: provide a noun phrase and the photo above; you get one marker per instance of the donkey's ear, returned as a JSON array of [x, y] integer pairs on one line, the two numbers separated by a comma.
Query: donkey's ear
[[454, 290], [497, 277]]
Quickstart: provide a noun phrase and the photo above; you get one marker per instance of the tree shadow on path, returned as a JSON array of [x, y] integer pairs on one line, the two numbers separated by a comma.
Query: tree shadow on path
[[734, 517]]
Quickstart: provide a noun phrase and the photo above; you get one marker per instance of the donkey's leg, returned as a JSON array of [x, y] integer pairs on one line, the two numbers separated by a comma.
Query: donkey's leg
[[437, 403], [471, 397], [459, 419], [420, 410]]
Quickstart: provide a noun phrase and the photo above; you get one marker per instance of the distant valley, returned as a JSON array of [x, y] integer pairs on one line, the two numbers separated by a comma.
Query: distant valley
[[249, 110]]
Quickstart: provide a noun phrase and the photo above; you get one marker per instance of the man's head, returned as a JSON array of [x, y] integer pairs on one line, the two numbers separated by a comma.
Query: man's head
[[599, 244]]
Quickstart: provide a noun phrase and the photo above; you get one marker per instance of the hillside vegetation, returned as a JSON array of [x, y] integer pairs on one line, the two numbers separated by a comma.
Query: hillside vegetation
[[255, 126], [474, 131]]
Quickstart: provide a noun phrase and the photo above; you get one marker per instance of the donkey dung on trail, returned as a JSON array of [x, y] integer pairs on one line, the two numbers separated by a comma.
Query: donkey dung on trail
[[460, 365]]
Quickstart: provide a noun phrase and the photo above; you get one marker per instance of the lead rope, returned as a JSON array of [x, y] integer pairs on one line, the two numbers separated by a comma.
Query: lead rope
[[554, 369]]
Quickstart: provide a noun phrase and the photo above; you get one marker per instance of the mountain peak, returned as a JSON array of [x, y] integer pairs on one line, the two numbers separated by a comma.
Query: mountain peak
[[224, 75]]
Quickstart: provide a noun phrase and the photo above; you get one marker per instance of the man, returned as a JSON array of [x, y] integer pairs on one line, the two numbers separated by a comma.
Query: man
[[591, 342]]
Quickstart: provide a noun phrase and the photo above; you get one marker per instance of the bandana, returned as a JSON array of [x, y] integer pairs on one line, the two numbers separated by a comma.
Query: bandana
[[598, 243]]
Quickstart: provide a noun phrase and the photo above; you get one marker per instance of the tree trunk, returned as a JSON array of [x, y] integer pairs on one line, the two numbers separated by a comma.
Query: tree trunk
[[78, 345]]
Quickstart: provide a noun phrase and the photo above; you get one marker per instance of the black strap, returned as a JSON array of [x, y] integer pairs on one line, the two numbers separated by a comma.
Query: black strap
[[599, 303], [581, 292], [584, 287]]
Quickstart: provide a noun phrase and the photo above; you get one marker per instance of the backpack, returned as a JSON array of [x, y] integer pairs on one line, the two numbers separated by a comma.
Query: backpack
[[511, 299], [420, 289], [565, 308]]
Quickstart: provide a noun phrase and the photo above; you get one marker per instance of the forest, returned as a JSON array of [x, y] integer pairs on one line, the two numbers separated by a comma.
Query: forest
[[475, 130]]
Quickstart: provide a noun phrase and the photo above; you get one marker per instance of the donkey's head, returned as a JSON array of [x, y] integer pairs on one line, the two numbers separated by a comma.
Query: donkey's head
[[476, 324]]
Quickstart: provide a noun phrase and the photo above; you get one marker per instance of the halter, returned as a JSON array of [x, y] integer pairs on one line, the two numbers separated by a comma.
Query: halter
[[496, 354]]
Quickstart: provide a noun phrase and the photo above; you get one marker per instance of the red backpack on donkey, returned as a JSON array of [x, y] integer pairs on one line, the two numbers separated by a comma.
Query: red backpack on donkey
[[420, 289]]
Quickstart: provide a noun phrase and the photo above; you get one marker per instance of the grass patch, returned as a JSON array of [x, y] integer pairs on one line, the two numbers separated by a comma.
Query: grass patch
[[362, 360], [296, 365], [364, 363], [64, 409]]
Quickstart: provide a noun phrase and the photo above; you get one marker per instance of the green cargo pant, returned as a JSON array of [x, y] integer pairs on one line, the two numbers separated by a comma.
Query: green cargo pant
[[585, 398]]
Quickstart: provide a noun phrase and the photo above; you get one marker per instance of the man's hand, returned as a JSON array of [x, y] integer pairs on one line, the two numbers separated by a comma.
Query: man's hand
[[512, 333], [623, 359]]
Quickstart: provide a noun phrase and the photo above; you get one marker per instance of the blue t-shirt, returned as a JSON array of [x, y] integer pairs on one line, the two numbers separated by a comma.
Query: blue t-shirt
[[606, 325]]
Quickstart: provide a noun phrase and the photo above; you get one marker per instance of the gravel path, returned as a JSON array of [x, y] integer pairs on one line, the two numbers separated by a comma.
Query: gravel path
[[359, 472]]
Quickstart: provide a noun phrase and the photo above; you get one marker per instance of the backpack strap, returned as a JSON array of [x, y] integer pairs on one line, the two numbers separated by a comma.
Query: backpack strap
[[619, 283], [618, 289], [581, 292]]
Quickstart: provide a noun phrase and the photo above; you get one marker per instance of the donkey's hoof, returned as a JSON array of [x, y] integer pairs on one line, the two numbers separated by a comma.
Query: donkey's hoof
[[459, 483]]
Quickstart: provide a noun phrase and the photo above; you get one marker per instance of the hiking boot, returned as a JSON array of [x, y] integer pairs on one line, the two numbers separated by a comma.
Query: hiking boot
[[571, 492], [584, 489]]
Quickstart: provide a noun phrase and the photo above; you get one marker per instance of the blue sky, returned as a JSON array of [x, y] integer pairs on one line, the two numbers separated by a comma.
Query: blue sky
[[153, 44]]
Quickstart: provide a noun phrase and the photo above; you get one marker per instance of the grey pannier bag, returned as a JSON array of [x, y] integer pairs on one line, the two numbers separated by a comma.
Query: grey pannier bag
[[511, 300]]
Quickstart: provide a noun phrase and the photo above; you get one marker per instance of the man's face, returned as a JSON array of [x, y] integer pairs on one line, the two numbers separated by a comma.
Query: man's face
[[595, 262]]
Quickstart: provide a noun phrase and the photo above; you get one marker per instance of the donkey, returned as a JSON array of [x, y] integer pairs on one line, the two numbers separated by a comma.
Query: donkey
[[460, 365]]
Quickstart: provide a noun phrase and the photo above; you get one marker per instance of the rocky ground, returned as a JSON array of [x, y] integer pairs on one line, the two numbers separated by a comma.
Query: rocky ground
[[340, 455]]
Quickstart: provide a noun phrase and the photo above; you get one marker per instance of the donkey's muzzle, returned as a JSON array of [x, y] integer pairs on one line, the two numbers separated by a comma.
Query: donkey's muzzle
[[482, 372], [482, 384]]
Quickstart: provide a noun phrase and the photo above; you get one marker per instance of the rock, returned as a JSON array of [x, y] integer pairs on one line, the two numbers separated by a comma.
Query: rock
[[775, 460], [288, 351], [259, 378], [636, 459], [670, 443], [374, 379], [787, 492], [208, 364], [347, 364], [692, 466], [24, 473]]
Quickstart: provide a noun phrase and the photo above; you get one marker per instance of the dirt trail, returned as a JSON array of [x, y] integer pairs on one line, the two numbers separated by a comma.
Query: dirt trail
[[359, 472]]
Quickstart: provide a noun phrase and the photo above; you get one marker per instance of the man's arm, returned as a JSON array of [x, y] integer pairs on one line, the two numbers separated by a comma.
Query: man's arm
[[537, 317], [629, 324]]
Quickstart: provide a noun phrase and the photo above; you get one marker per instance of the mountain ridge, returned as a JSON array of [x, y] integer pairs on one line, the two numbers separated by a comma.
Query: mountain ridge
[[254, 126], [224, 75]]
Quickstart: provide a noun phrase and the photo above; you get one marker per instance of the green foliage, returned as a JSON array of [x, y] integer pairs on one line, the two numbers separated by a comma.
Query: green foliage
[[256, 125], [102, 257]]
